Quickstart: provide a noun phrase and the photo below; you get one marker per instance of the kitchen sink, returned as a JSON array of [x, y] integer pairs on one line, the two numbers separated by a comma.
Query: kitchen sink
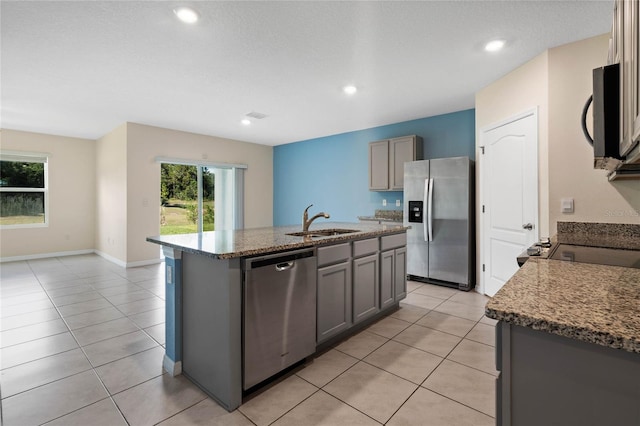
[[323, 232]]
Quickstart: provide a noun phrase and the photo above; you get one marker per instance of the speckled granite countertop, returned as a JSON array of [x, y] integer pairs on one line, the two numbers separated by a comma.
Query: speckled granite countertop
[[251, 242], [384, 216], [593, 303]]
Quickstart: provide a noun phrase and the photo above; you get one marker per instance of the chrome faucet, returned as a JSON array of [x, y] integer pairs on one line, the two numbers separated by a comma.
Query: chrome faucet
[[306, 221]]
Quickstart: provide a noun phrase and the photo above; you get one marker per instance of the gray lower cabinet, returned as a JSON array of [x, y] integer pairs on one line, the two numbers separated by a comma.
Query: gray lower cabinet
[[333, 291], [400, 273], [365, 287], [546, 379]]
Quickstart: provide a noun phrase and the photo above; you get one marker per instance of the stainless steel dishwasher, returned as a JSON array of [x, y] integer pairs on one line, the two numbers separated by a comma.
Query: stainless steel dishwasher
[[279, 313]]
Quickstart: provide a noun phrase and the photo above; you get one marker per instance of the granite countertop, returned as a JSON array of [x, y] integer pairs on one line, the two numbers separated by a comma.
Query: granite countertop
[[384, 216], [593, 303], [250, 242]]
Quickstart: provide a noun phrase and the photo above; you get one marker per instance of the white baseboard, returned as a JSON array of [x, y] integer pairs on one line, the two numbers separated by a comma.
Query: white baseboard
[[172, 367], [80, 252], [45, 255]]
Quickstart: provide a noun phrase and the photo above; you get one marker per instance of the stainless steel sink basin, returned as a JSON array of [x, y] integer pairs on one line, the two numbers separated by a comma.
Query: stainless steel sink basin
[[323, 232]]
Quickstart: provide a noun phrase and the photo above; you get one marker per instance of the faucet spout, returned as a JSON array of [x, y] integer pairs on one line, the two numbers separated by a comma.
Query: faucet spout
[[306, 222]]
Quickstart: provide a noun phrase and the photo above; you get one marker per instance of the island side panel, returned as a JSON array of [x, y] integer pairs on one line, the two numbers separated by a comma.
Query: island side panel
[[212, 327], [172, 361], [557, 380]]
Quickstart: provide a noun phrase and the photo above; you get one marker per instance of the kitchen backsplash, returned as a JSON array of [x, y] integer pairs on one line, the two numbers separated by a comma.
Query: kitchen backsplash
[[614, 235], [389, 214]]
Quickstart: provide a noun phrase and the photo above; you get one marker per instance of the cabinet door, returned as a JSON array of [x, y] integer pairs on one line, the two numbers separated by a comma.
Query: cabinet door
[[401, 150], [379, 165], [334, 300], [387, 291], [400, 273], [365, 287]]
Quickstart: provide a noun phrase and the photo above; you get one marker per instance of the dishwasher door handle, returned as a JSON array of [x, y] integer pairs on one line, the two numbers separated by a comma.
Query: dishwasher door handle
[[284, 266]]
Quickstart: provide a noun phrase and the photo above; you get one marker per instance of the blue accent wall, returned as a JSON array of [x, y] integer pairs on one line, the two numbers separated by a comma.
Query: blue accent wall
[[332, 172]]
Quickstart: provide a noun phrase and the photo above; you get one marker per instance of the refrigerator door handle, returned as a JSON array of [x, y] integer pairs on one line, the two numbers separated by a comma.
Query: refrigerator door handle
[[430, 211], [425, 199]]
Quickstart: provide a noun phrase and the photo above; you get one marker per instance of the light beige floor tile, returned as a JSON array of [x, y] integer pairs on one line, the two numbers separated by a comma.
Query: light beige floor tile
[[430, 409], [470, 298], [268, 406], [35, 349], [206, 413], [105, 330], [409, 313], [30, 318], [156, 332], [129, 296], [326, 367], [141, 306], [42, 371], [115, 348], [149, 318], [322, 409], [475, 355], [465, 385], [428, 339], [32, 332], [102, 282], [361, 344], [483, 333], [118, 290], [388, 327], [70, 299], [52, 400], [421, 301], [413, 285], [404, 361], [93, 317], [34, 296], [66, 291], [82, 307], [489, 321], [102, 413], [157, 399], [25, 308], [437, 291], [470, 312], [447, 323], [371, 390], [132, 370]]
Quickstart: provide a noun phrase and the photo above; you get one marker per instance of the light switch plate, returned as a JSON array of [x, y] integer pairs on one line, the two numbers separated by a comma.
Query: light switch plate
[[566, 205], [384, 203]]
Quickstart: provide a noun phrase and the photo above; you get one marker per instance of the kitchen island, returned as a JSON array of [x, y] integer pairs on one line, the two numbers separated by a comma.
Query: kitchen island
[[568, 345], [359, 275]]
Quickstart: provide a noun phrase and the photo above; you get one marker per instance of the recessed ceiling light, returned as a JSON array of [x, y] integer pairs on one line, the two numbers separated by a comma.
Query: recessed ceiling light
[[494, 46], [350, 90], [186, 14], [246, 121]]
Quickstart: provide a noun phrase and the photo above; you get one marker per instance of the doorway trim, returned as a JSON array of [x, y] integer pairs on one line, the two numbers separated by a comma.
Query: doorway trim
[[481, 182]]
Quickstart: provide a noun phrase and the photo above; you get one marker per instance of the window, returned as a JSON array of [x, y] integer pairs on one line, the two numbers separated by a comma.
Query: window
[[23, 190], [197, 197]]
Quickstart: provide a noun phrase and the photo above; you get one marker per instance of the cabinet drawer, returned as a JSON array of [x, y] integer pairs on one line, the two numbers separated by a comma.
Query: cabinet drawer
[[393, 241], [364, 247], [333, 254]]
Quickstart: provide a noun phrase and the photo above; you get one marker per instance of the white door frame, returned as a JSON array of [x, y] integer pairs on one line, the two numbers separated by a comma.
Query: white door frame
[[481, 163]]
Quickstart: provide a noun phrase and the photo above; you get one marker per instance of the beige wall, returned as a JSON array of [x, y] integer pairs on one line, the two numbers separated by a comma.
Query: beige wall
[[145, 143], [71, 196], [571, 173], [111, 194]]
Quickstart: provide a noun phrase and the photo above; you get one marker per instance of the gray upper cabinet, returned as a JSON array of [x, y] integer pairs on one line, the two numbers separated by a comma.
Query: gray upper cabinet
[[386, 161]]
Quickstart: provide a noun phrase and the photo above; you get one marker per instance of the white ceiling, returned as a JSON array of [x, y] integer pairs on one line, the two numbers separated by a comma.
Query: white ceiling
[[81, 68]]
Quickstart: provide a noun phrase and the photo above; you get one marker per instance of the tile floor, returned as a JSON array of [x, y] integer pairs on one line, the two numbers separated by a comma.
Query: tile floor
[[81, 344]]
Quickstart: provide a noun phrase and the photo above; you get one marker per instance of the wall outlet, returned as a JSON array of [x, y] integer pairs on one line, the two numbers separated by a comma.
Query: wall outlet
[[384, 203], [397, 203], [566, 205]]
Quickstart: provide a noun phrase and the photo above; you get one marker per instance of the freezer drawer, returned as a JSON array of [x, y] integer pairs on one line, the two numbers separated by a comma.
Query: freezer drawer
[[279, 313]]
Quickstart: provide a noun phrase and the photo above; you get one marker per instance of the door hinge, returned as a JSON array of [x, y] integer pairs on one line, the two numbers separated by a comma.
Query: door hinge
[[483, 267], [483, 208], [482, 148]]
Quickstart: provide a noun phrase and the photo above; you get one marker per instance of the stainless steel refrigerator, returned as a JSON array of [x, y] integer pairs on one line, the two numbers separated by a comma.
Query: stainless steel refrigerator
[[439, 206]]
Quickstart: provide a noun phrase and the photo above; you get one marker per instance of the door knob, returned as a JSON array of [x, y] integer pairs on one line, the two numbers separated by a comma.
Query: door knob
[[528, 226]]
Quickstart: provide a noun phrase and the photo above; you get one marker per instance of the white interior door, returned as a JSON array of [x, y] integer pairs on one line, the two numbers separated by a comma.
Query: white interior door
[[509, 196]]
